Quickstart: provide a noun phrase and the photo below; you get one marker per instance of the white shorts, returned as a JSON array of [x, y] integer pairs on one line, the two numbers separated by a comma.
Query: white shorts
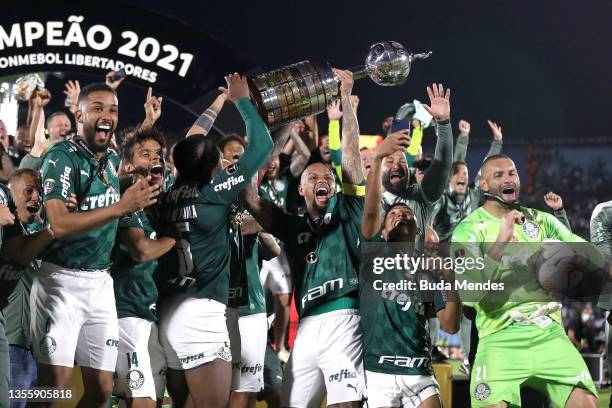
[[248, 337], [327, 356], [275, 275], [405, 391], [74, 318], [141, 366], [193, 332]]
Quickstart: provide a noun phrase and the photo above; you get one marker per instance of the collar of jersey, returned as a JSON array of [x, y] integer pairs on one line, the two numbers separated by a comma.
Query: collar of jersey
[[82, 146]]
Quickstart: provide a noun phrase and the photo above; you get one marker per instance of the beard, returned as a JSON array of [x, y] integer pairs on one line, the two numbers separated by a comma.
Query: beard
[[90, 138], [397, 189]]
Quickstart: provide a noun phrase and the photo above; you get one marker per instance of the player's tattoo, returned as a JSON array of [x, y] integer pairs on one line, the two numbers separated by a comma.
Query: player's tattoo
[[351, 160], [206, 120]]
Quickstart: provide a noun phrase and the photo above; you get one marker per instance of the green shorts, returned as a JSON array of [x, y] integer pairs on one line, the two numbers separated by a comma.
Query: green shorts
[[527, 355]]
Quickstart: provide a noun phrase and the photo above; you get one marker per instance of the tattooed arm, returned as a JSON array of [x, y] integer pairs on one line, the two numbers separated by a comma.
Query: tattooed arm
[[352, 173], [204, 123]]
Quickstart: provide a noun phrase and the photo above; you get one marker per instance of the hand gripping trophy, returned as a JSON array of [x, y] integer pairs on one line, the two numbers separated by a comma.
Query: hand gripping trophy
[[307, 88]]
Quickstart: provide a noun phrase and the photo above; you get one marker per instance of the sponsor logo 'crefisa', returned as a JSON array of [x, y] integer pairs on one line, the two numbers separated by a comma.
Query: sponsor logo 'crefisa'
[[229, 184], [342, 375]]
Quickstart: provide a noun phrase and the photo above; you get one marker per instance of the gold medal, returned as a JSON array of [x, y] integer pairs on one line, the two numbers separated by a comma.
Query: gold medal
[[312, 257]]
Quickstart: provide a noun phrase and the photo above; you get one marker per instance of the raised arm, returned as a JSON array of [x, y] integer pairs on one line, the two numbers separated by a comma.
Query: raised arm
[[495, 148], [496, 143], [152, 107], [228, 184], [436, 177], [463, 139], [372, 221], [205, 121], [555, 203], [352, 173], [33, 160], [300, 155]]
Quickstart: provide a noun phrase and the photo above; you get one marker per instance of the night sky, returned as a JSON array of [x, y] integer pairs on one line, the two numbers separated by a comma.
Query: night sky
[[541, 70]]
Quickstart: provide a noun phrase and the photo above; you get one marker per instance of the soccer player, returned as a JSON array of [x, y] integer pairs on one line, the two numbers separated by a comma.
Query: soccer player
[[521, 342], [276, 273], [399, 186], [18, 251], [396, 341], [72, 301], [24, 187], [195, 275], [323, 247], [141, 363], [246, 313]]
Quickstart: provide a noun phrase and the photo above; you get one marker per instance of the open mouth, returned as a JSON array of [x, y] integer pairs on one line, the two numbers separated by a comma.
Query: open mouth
[[103, 129], [33, 208], [322, 194], [396, 176], [401, 221], [508, 193], [157, 170]]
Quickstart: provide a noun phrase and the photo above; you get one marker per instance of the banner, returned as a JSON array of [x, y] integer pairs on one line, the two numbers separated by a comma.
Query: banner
[[177, 60]]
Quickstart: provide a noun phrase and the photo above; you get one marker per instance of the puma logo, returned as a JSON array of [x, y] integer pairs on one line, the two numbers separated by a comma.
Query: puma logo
[[352, 386], [53, 162]]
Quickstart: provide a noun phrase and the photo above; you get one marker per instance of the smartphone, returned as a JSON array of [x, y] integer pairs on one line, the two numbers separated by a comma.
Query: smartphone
[[119, 74], [400, 124]]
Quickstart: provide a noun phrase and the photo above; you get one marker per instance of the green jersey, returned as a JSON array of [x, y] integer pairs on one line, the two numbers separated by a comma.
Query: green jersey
[[199, 264], [256, 299], [275, 191], [238, 282], [394, 324], [17, 312], [135, 290], [70, 167], [114, 158], [168, 179], [324, 253], [474, 237], [10, 273]]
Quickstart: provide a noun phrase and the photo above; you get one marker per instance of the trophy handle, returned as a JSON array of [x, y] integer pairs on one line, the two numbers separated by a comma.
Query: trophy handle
[[359, 72], [423, 55]]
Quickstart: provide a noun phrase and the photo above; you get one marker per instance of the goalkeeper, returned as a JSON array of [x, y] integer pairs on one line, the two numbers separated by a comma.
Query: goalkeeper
[[521, 343]]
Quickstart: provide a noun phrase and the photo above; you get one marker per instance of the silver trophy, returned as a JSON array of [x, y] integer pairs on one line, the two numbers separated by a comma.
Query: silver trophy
[[307, 88], [26, 85]]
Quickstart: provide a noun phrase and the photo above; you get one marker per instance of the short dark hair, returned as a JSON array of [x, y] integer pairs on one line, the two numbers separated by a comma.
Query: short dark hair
[[195, 157], [455, 167], [232, 137], [54, 115], [134, 136], [95, 87]]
